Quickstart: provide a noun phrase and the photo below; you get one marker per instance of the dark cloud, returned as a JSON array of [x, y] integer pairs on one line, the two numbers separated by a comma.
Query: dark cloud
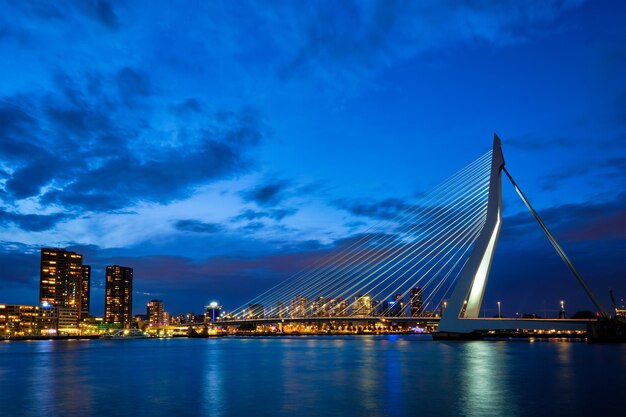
[[20, 266], [384, 209], [89, 152], [590, 221], [252, 227], [197, 226], [612, 167], [268, 194], [191, 105], [105, 14], [132, 84], [32, 222], [275, 214]]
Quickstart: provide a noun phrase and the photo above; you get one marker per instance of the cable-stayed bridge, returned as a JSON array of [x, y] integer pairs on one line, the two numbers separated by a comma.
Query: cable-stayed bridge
[[430, 262]]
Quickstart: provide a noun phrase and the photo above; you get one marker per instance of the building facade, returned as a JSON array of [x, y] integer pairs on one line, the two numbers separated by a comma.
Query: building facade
[[64, 281], [118, 302], [416, 302], [156, 312], [86, 292]]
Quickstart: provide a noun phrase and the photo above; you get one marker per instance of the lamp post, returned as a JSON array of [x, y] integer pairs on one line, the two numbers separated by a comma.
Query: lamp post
[[562, 312], [499, 311]]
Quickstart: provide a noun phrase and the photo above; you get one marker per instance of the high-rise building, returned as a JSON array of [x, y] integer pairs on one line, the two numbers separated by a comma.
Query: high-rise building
[[155, 313], [362, 306], [319, 307], [417, 305], [299, 306], [64, 280], [86, 296], [281, 310], [394, 307], [256, 311], [118, 302]]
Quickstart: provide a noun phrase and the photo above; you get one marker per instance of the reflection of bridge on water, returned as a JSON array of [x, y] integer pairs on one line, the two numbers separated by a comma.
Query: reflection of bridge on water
[[439, 252]]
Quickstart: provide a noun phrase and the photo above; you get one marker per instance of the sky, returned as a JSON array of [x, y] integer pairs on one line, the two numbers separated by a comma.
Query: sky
[[220, 147]]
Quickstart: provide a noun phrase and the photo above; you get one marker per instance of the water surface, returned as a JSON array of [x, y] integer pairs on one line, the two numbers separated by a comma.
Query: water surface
[[310, 376]]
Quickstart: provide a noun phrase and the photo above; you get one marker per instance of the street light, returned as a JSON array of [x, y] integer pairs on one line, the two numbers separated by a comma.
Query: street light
[[499, 311], [562, 312]]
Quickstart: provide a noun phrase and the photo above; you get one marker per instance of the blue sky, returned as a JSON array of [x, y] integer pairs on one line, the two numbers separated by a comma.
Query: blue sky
[[217, 147]]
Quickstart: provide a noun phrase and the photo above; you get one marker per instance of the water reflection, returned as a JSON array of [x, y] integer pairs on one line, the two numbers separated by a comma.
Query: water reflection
[[483, 380], [213, 400], [373, 376]]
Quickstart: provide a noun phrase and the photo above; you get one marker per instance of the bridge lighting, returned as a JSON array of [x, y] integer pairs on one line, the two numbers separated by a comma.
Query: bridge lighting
[[499, 311]]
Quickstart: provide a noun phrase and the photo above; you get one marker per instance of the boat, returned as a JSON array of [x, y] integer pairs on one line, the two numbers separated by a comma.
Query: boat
[[126, 334]]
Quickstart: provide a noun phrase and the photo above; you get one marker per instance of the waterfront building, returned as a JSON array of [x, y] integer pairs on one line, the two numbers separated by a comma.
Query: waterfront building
[[19, 320], [342, 307], [66, 320], [118, 302], [86, 292], [416, 302], [393, 307], [64, 281], [319, 307], [256, 311], [362, 306], [155, 313], [212, 313], [282, 310], [299, 306], [331, 309], [377, 307]]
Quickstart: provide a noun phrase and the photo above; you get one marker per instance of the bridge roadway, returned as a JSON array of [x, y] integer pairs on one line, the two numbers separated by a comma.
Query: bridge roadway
[[480, 324]]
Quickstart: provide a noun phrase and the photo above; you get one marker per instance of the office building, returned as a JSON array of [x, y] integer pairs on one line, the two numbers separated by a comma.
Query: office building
[[256, 311], [64, 281], [61, 278], [156, 311], [85, 288], [18, 320], [118, 302], [299, 306], [416, 302], [362, 306]]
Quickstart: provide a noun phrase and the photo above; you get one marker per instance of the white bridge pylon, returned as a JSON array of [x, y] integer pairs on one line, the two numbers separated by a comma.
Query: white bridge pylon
[[461, 316]]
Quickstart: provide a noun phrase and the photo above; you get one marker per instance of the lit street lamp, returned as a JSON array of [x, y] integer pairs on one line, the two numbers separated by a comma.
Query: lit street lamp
[[499, 311]]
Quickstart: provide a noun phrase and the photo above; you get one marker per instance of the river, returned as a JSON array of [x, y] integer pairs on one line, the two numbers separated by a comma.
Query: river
[[311, 376]]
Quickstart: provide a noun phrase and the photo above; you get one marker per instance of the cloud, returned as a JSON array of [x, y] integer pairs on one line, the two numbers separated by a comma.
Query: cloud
[[384, 209], [613, 167], [132, 84], [20, 265], [590, 221], [32, 222], [274, 214], [268, 194], [79, 147], [197, 226], [189, 106]]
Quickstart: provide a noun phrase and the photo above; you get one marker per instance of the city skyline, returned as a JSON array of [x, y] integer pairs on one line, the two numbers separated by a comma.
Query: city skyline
[[220, 166]]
